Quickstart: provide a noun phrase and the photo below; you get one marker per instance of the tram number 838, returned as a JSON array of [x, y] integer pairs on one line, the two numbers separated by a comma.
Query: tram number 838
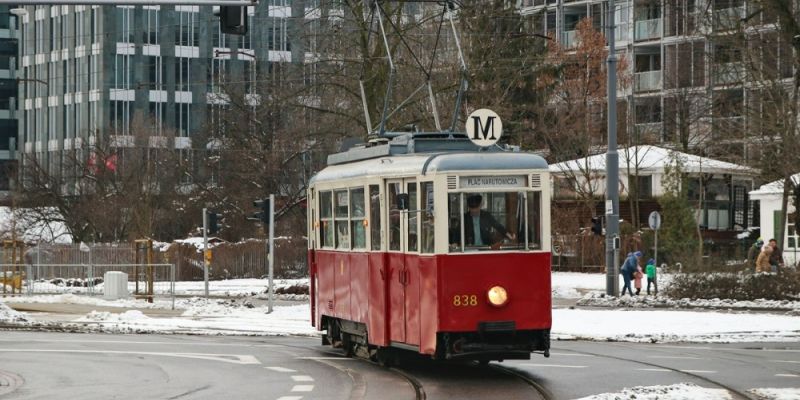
[[465, 300]]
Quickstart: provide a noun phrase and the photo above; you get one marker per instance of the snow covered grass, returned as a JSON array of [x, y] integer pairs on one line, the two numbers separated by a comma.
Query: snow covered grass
[[776, 394], [674, 326], [227, 288], [7, 315], [680, 391], [597, 299]]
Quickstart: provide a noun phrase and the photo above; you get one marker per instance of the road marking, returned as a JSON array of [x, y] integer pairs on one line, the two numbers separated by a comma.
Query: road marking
[[280, 369], [675, 357], [302, 378], [697, 371], [554, 365], [655, 369], [326, 358], [788, 375], [143, 342], [303, 388], [571, 355], [786, 361], [290, 398], [242, 359]]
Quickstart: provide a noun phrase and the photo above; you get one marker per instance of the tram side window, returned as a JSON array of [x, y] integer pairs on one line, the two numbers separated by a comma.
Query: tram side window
[[426, 215], [413, 216], [375, 216], [357, 217], [341, 216], [535, 220], [394, 216], [325, 220]]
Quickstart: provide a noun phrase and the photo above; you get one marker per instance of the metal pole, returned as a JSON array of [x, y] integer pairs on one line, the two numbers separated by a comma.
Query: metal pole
[[655, 261], [172, 283], [271, 255], [612, 163], [205, 250]]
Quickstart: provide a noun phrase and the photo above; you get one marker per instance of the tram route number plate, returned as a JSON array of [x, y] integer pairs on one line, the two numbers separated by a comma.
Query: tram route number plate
[[465, 300]]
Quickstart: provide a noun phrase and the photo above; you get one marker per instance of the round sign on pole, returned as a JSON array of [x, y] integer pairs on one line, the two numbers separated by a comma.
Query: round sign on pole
[[654, 220], [484, 127]]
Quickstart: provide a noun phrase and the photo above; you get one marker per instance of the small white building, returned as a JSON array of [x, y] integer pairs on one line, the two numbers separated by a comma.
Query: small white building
[[769, 198], [725, 205]]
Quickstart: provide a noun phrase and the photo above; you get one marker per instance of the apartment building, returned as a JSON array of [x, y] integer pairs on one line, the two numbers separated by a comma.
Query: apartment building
[[689, 85], [8, 98], [91, 70]]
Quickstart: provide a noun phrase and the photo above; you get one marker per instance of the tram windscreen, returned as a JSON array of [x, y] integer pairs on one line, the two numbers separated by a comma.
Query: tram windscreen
[[494, 221]]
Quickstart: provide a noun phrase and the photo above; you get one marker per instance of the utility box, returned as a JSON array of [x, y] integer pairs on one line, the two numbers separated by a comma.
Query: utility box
[[115, 285]]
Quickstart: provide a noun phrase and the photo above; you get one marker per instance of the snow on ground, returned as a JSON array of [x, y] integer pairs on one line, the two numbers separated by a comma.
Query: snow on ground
[[776, 394], [230, 287], [674, 326], [596, 299], [207, 317], [8, 315], [680, 391]]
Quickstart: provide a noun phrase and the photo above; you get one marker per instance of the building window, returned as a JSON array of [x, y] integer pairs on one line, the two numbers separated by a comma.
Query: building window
[[188, 29], [182, 74], [151, 26], [124, 17], [793, 238], [644, 185], [182, 115]]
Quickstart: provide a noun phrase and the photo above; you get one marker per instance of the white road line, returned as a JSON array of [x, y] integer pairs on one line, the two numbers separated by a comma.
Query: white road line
[[697, 371], [143, 342], [788, 375], [675, 357], [571, 355], [302, 378], [279, 369], [290, 398], [326, 358], [554, 365], [786, 361], [654, 369], [243, 359], [302, 388]]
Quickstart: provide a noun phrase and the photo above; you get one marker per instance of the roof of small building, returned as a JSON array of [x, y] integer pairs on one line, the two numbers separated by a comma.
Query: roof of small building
[[653, 159], [774, 187]]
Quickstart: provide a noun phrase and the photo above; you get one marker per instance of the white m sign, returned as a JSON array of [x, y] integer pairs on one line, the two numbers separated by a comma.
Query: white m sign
[[484, 127]]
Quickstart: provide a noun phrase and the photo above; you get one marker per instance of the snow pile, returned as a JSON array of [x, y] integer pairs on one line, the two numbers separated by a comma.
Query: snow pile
[[680, 391], [673, 326], [94, 301], [776, 394], [9, 315], [595, 299], [103, 316]]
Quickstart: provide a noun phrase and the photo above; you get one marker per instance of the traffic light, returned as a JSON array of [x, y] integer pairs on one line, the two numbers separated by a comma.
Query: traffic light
[[214, 221], [263, 213], [232, 19], [597, 225]]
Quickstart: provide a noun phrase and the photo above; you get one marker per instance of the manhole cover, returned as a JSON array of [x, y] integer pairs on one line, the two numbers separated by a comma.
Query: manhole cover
[[9, 382]]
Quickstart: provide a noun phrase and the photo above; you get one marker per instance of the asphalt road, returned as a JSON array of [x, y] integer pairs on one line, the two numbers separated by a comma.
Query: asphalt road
[[40, 365]]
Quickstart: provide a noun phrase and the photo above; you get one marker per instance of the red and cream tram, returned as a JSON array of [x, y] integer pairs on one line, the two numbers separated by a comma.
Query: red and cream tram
[[434, 245]]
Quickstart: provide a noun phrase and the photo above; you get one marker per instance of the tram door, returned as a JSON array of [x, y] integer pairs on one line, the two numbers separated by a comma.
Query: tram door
[[403, 281]]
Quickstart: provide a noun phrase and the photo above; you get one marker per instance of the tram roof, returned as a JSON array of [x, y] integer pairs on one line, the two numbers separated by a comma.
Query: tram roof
[[417, 164]]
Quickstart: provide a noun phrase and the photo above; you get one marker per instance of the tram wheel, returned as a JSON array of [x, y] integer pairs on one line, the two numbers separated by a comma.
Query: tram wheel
[[385, 357]]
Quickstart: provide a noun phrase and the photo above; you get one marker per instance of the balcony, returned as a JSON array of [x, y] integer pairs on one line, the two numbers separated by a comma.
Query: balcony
[[647, 81], [621, 33], [728, 73], [728, 18], [648, 29], [569, 39]]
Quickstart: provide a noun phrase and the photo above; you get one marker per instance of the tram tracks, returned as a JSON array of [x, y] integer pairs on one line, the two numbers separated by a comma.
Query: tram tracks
[[735, 392]]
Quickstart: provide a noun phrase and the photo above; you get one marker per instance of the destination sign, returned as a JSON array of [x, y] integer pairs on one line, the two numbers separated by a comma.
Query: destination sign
[[475, 182]]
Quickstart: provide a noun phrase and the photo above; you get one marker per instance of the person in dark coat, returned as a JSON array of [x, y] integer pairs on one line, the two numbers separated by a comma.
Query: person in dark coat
[[776, 258], [480, 226], [630, 266]]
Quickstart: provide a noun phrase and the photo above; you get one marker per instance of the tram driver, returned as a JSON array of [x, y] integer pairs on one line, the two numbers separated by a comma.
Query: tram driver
[[480, 226]]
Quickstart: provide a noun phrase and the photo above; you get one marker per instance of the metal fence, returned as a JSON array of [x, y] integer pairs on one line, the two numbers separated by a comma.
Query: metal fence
[[147, 281]]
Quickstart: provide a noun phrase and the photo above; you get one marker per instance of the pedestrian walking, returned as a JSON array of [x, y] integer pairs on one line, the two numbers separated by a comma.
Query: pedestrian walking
[[627, 270], [637, 279], [754, 251], [762, 263], [650, 270]]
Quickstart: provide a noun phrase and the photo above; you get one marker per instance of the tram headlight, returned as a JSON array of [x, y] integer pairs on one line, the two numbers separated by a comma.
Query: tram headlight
[[497, 296]]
